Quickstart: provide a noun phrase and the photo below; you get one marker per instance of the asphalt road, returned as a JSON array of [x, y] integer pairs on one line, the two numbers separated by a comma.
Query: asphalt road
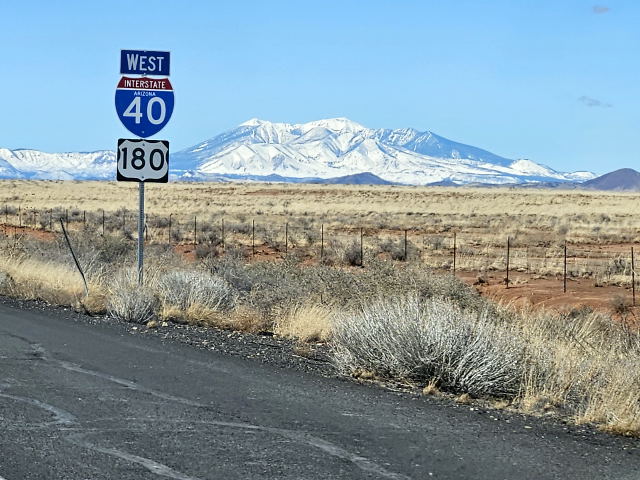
[[83, 401]]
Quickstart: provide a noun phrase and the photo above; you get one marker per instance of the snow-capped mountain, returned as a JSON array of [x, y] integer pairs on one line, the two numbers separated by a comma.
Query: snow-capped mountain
[[325, 149], [313, 151]]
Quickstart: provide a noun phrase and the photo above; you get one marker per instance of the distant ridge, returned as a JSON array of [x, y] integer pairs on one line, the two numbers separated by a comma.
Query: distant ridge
[[365, 178], [623, 180]]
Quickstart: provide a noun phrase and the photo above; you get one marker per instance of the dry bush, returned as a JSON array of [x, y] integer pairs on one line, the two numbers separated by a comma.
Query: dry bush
[[129, 301], [308, 322], [185, 289], [432, 339]]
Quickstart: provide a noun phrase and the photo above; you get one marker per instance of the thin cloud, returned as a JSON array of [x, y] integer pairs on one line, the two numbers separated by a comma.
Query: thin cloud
[[593, 102], [600, 9]]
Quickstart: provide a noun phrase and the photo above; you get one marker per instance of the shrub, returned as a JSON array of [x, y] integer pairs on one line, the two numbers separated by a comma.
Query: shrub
[[433, 339], [352, 255], [183, 289], [129, 301]]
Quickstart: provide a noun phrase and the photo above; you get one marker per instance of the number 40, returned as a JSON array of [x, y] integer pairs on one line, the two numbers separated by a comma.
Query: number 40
[[134, 110]]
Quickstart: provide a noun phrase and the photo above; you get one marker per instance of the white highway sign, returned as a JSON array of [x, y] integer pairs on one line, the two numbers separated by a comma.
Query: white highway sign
[[143, 160]]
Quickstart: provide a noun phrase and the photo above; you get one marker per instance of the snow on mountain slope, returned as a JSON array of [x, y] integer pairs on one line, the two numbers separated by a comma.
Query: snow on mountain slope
[[318, 150], [339, 147], [34, 164]]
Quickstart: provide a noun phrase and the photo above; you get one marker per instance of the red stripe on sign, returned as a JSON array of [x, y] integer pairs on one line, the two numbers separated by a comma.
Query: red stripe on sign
[[145, 83]]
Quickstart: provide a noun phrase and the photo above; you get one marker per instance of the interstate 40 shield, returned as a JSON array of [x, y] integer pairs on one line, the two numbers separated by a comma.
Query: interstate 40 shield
[[144, 105]]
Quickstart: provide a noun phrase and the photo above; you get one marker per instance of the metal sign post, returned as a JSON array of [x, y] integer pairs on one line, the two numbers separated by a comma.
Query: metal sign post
[[144, 106], [140, 232]]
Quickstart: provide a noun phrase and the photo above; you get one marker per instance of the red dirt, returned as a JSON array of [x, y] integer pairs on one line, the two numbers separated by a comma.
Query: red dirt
[[524, 290], [11, 230]]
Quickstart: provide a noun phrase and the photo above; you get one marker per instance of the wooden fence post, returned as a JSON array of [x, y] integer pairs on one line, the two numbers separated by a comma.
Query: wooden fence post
[[169, 234], [253, 238], [286, 238], [321, 242]]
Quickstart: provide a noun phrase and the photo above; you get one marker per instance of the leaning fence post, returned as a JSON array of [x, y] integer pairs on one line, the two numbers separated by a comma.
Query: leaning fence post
[[564, 275], [633, 278], [75, 259], [508, 255]]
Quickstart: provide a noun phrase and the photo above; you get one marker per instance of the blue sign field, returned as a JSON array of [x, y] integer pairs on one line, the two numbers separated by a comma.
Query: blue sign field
[[144, 62], [144, 105]]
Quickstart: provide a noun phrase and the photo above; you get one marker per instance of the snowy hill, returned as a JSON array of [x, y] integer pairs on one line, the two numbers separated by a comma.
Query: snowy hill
[[34, 164], [315, 151]]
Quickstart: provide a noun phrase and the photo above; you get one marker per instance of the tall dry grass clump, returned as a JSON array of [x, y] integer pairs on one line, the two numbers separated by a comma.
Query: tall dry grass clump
[[32, 278], [307, 322], [585, 366]]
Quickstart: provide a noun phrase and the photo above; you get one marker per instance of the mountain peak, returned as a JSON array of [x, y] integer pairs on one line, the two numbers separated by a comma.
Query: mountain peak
[[253, 122], [338, 124]]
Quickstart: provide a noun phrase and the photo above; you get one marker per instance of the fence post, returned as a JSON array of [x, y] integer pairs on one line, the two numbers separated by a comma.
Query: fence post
[[253, 238], [508, 258], [286, 238], [222, 235], [169, 239], [195, 229], [124, 222], [405, 245], [51, 220], [321, 242], [454, 253], [103, 222], [564, 274], [633, 278], [361, 247], [6, 214], [84, 217]]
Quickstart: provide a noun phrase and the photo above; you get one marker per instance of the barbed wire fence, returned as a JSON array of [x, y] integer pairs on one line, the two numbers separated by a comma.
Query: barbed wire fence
[[314, 241]]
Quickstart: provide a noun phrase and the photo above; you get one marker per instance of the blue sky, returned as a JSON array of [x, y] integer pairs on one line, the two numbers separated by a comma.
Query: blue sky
[[554, 81]]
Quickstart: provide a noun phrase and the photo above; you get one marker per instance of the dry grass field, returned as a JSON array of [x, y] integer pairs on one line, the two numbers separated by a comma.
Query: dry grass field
[[330, 222], [367, 270]]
